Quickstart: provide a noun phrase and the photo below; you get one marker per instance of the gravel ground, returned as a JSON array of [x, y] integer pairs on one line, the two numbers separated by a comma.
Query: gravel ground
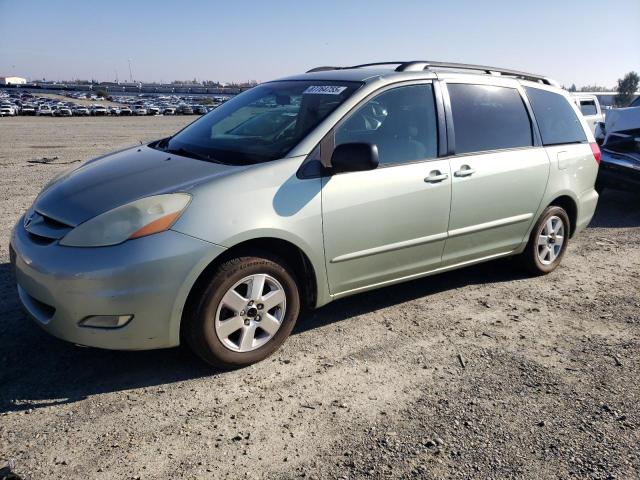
[[479, 373]]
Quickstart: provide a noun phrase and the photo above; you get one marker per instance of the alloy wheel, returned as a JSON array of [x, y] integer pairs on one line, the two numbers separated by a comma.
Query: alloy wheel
[[551, 240], [250, 313]]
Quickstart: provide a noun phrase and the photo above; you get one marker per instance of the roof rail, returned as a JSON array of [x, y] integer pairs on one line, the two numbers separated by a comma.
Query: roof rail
[[323, 69], [419, 65]]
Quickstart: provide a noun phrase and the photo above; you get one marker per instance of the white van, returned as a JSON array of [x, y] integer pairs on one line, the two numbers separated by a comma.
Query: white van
[[590, 108]]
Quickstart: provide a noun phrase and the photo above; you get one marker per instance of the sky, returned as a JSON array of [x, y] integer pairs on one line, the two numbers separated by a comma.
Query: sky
[[584, 42]]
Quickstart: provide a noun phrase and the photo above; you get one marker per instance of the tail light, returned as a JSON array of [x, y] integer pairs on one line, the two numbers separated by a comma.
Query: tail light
[[596, 152]]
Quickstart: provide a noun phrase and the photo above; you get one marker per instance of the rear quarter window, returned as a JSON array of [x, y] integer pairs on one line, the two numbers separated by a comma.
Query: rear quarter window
[[556, 119], [588, 107], [488, 118]]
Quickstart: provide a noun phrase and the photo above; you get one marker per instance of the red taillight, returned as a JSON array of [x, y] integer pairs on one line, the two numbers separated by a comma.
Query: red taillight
[[596, 152]]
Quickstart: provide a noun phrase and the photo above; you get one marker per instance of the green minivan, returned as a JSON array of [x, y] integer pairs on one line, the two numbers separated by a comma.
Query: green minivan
[[300, 191]]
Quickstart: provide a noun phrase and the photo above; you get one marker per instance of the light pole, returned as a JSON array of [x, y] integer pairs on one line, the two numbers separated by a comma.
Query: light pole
[[130, 74]]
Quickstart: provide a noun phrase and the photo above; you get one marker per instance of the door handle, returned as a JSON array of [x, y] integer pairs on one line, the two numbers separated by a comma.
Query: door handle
[[465, 171], [436, 177]]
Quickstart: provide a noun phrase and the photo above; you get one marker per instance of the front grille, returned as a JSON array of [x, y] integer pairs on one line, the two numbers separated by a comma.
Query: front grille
[[40, 240]]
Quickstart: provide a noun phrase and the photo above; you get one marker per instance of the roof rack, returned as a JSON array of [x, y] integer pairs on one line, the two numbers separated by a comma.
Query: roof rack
[[419, 65]]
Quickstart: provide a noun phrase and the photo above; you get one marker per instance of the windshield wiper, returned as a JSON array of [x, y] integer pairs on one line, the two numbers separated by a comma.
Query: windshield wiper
[[188, 153]]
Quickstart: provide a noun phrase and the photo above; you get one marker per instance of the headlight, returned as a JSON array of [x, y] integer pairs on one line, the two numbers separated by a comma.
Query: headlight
[[142, 217]]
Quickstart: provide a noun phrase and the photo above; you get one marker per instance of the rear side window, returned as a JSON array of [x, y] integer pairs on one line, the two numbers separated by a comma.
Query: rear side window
[[558, 122], [488, 118], [588, 107]]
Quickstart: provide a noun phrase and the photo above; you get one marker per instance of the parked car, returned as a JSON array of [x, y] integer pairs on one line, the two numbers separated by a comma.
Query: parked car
[[153, 110], [620, 165], [81, 111], [28, 109], [62, 112], [185, 110], [257, 224], [98, 110], [113, 110], [125, 111], [590, 108], [169, 111], [139, 110], [7, 110], [44, 110], [618, 120], [620, 139], [199, 109]]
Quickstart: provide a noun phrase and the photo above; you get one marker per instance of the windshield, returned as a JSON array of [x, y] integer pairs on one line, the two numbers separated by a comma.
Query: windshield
[[261, 124]]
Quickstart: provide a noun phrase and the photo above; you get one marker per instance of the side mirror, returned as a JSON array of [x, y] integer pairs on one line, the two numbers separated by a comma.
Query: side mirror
[[354, 157]]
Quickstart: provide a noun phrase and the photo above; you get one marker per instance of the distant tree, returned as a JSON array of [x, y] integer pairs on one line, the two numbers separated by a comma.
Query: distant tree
[[247, 84], [573, 88], [594, 88], [101, 93], [627, 87]]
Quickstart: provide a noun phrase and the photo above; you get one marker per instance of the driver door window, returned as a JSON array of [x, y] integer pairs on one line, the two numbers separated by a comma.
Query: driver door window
[[401, 122]]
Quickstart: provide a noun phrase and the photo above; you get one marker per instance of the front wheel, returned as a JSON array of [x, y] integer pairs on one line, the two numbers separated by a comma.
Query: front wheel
[[245, 313], [547, 242]]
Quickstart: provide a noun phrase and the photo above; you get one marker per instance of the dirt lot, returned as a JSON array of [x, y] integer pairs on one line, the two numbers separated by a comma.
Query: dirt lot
[[479, 373]]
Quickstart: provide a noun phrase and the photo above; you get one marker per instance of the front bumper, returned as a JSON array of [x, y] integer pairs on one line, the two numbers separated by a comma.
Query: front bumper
[[148, 278]]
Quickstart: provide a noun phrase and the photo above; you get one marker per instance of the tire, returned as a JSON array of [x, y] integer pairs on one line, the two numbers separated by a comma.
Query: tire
[[535, 258], [221, 324]]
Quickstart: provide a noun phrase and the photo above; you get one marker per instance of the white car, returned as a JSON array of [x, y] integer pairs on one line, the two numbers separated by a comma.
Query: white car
[[169, 111], [44, 110], [7, 111], [153, 110], [139, 111], [63, 112], [81, 111], [98, 110], [590, 108]]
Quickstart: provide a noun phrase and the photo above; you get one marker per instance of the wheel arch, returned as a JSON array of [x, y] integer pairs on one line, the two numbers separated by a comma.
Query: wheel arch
[[295, 257], [569, 205]]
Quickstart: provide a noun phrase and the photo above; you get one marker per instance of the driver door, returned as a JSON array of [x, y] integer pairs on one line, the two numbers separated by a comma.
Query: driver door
[[390, 223]]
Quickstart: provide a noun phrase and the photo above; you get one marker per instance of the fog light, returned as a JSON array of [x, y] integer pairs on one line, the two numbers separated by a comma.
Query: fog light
[[106, 321]]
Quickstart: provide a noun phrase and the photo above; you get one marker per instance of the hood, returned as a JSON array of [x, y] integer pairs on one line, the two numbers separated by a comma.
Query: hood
[[113, 180], [621, 119]]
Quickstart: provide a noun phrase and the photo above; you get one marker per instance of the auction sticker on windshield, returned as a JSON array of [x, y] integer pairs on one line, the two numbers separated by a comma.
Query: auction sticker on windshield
[[324, 90]]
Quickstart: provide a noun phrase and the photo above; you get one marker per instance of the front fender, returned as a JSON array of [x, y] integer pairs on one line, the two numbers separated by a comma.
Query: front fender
[[263, 201]]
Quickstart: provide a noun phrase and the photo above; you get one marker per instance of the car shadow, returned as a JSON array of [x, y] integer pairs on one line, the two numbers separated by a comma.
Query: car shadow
[[617, 209], [37, 370]]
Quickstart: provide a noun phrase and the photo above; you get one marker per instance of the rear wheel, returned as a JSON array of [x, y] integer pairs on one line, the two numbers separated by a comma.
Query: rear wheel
[[548, 242], [246, 312]]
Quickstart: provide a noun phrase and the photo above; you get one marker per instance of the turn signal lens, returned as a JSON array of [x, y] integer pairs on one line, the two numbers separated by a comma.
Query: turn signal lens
[[157, 226], [596, 152]]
